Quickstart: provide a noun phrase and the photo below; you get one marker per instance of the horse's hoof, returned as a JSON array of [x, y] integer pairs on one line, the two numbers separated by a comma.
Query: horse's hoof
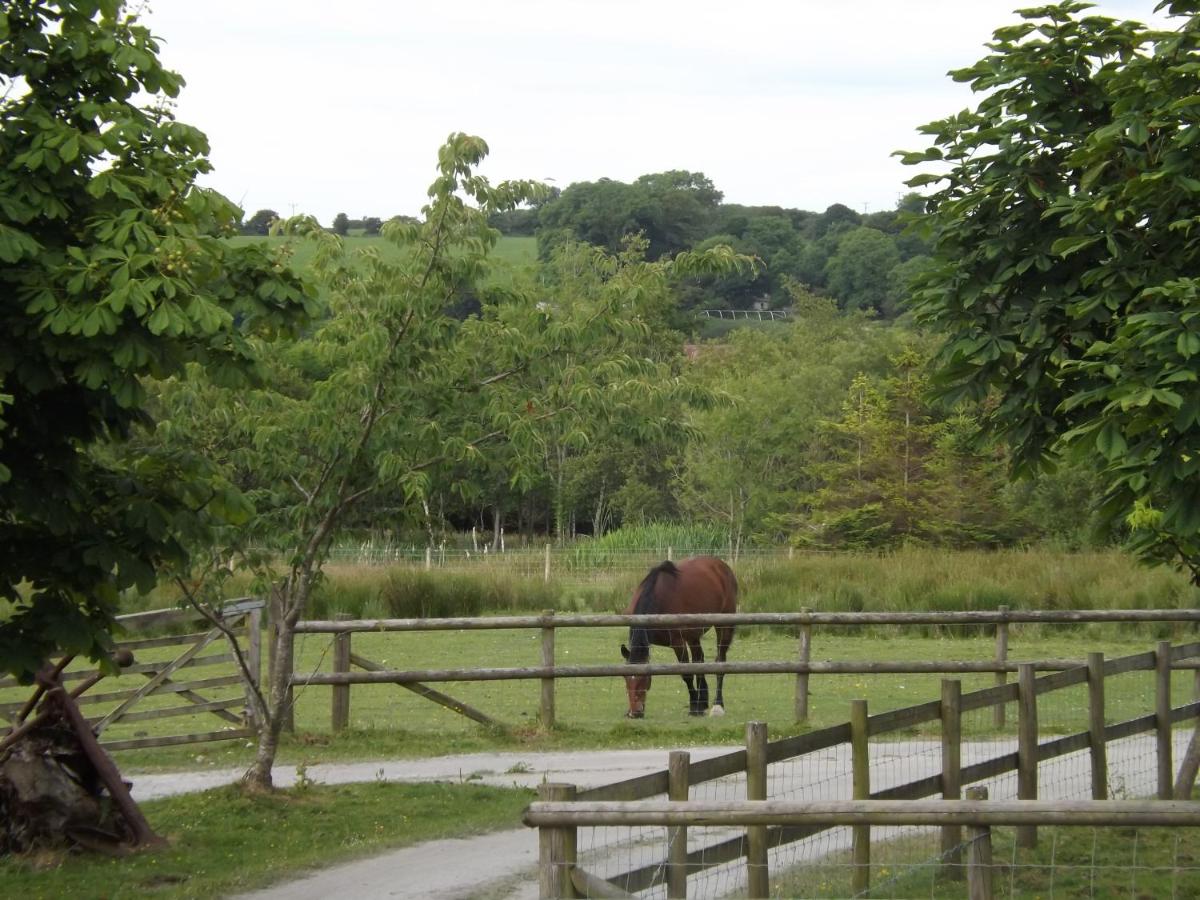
[[717, 710], [695, 712], [633, 715]]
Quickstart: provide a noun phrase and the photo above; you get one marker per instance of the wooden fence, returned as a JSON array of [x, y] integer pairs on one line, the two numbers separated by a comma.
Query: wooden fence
[[163, 679], [802, 666], [773, 826]]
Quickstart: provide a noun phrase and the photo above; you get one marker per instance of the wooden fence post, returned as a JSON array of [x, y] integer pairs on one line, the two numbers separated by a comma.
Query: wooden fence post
[[805, 655], [861, 771], [1162, 720], [428, 558], [254, 661], [340, 704], [556, 848], [677, 789], [979, 853], [1027, 748], [952, 771], [758, 876], [1098, 749], [546, 713], [546, 569], [1001, 659]]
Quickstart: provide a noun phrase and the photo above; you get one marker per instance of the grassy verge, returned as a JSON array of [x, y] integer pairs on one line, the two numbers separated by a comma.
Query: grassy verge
[[223, 841]]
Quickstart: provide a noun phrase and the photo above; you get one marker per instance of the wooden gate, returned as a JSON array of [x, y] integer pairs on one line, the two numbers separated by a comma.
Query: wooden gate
[[130, 712]]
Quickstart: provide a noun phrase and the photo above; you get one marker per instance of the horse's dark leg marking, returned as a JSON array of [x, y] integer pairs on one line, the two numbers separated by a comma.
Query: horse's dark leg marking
[[701, 700], [724, 639], [682, 656]]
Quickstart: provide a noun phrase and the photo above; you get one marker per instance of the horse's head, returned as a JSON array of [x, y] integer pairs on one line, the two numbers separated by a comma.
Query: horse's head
[[636, 687]]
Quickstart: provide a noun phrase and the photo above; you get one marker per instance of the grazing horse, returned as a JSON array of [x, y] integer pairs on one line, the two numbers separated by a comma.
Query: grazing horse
[[703, 584]]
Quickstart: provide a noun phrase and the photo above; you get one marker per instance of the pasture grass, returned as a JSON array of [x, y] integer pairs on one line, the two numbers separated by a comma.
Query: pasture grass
[[1067, 862], [224, 841]]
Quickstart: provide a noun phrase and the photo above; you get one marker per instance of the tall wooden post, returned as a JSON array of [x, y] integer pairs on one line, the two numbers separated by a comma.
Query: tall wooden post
[[1001, 659], [1097, 748], [546, 569], [556, 848], [861, 775], [805, 655], [979, 853], [678, 777], [1162, 720], [546, 713], [1027, 748], [758, 875], [340, 704], [253, 661], [951, 771]]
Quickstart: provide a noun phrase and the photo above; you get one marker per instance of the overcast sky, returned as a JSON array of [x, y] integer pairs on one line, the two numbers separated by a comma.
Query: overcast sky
[[324, 107]]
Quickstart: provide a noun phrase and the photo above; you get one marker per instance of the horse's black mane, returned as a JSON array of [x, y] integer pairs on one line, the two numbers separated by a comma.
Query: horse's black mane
[[639, 637]]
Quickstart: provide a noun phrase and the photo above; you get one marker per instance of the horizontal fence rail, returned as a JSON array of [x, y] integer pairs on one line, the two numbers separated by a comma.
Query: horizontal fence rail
[[857, 812], [967, 617], [802, 667]]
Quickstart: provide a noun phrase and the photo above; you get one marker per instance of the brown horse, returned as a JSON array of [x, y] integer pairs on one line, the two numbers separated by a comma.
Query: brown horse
[[703, 584]]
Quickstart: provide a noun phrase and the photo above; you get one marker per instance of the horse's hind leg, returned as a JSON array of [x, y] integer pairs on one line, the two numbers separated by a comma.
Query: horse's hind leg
[[724, 639], [682, 656], [700, 703]]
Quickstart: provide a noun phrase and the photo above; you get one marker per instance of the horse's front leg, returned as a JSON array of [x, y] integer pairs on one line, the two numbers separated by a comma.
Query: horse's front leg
[[682, 655], [700, 699], [724, 639]]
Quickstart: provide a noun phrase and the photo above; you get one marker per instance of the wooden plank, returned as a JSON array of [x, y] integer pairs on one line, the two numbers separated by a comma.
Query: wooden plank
[[170, 640], [998, 710], [176, 740], [191, 710], [1162, 721], [913, 790], [1061, 746], [1064, 679], [951, 716], [718, 767], [804, 655], [860, 765], [1027, 744], [589, 885], [198, 662], [156, 680], [990, 768], [639, 788], [758, 878], [339, 707], [429, 693], [979, 854], [678, 788], [1133, 663], [810, 742], [1098, 755], [966, 617], [908, 717], [1129, 728], [985, 697], [546, 697], [156, 618], [167, 688], [1185, 712], [736, 813]]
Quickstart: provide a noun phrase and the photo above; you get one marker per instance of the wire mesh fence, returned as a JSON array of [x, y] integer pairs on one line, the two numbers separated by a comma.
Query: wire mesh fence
[[919, 860]]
